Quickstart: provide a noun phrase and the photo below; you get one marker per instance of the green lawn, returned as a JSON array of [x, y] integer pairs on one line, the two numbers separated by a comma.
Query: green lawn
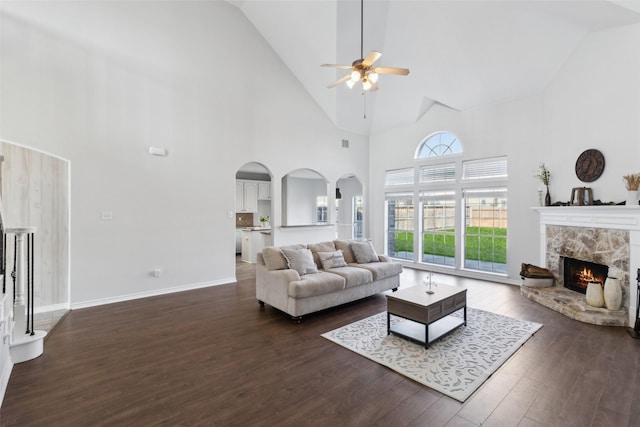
[[480, 244]]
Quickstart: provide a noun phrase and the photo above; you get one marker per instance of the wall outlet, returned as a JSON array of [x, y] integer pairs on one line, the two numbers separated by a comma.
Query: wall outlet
[[106, 215], [157, 272]]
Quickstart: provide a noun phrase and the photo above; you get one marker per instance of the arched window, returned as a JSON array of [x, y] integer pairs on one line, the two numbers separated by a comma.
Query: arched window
[[448, 211], [438, 144]]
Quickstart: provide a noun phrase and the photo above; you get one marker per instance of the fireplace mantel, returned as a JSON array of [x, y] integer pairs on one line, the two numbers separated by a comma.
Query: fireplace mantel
[[611, 217], [606, 216]]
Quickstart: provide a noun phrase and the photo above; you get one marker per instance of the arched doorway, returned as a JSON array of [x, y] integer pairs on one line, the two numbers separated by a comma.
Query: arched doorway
[[253, 211]]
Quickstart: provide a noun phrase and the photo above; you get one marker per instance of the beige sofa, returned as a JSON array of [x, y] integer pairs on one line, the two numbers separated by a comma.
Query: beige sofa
[[302, 279]]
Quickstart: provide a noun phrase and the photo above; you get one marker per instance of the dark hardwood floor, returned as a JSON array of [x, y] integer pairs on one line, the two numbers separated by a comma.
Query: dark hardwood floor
[[212, 357]]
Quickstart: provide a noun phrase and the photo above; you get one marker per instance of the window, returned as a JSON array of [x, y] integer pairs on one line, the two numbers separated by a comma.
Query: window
[[485, 240], [439, 144], [357, 217], [462, 208], [438, 227], [400, 224], [321, 210]]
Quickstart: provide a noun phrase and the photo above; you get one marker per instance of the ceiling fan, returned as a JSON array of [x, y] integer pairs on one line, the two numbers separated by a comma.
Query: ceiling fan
[[362, 69]]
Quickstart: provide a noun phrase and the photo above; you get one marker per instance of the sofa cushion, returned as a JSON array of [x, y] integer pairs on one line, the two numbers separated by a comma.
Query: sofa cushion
[[274, 258], [354, 276], [316, 284], [343, 245], [330, 260], [382, 270], [364, 252], [300, 260], [315, 248]]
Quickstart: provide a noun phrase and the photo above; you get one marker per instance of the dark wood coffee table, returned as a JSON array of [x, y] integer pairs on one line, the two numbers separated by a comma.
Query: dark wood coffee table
[[427, 314]]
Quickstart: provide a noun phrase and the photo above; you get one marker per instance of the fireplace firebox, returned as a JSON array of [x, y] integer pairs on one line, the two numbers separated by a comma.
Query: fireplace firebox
[[578, 274]]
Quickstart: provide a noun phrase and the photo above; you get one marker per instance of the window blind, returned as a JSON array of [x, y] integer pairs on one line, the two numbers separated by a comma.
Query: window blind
[[399, 177], [485, 193], [403, 197], [437, 195], [438, 173], [491, 168]]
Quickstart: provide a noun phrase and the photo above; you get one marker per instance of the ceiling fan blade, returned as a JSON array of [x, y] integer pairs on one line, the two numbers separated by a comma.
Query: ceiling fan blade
[[340, 80], [346, 67], [371, 57], [390, 70]]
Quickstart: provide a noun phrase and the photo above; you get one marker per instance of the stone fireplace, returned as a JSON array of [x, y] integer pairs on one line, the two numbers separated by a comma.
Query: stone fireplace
[[577, 273], [603, 238]]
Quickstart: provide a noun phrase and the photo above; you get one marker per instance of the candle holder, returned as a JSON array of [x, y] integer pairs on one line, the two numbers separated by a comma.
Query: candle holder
[[429, 283]]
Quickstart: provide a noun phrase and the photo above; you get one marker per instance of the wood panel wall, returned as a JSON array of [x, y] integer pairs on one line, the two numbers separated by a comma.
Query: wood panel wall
[[35, 192]]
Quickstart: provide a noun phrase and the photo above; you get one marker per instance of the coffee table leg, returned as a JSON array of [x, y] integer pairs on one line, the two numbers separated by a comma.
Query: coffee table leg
[[465, 315], [388, 323], [426, 336]]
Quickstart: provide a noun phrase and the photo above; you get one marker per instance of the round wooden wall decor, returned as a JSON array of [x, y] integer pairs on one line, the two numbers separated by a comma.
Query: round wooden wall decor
[[590, 165]]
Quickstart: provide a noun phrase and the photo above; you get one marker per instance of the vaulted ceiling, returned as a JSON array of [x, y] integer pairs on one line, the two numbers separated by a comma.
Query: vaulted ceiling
[[461, 54]]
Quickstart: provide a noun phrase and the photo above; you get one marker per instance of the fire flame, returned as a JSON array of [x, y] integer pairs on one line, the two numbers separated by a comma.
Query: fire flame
[[586, 276]]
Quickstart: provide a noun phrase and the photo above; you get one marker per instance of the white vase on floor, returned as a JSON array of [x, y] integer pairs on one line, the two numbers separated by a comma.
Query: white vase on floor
[[595, 294], [612, 293]]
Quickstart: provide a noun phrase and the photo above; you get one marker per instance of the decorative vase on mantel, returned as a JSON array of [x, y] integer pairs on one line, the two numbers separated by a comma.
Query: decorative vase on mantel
[[547, 198], [632, 198], [612, 293]]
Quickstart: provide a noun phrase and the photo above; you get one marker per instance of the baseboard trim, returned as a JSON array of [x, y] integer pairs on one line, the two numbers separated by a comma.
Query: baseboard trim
[[147, 294], [51, 307]]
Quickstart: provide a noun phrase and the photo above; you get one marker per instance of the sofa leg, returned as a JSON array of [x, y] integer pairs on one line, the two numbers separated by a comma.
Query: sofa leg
[[261, 303], [296, 319]]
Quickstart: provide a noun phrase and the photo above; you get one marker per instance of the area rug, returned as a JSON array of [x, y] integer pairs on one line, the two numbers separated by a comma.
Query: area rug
[[456, 365]]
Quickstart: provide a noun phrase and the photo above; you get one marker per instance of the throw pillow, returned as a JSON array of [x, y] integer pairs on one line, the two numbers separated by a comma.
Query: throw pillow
[[346, 250], [300, 260], [316, 248], [364, 252], [273, 258], [332, 259]]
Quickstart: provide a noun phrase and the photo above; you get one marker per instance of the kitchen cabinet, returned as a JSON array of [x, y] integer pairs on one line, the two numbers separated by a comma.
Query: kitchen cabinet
[[246, 196], [264, 190], [238, 240], [252, 243], [266, 239]]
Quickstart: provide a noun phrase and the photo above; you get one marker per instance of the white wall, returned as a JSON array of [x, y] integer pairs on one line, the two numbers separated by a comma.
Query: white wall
[[593, 102], [194, 77]]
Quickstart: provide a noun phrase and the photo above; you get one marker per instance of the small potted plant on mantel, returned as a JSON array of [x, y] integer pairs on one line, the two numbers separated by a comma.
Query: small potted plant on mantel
[[264, 221], [632, 184], [544, 176]]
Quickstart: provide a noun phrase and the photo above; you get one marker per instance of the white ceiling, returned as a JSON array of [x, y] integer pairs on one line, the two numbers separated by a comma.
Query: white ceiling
[[461, 54]]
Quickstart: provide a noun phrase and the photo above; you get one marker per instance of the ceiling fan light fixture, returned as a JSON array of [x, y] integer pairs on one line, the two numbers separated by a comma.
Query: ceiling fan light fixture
[[362, 68]]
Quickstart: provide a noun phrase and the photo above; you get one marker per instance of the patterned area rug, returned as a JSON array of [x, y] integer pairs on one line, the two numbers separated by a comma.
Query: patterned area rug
[[456, 365]]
